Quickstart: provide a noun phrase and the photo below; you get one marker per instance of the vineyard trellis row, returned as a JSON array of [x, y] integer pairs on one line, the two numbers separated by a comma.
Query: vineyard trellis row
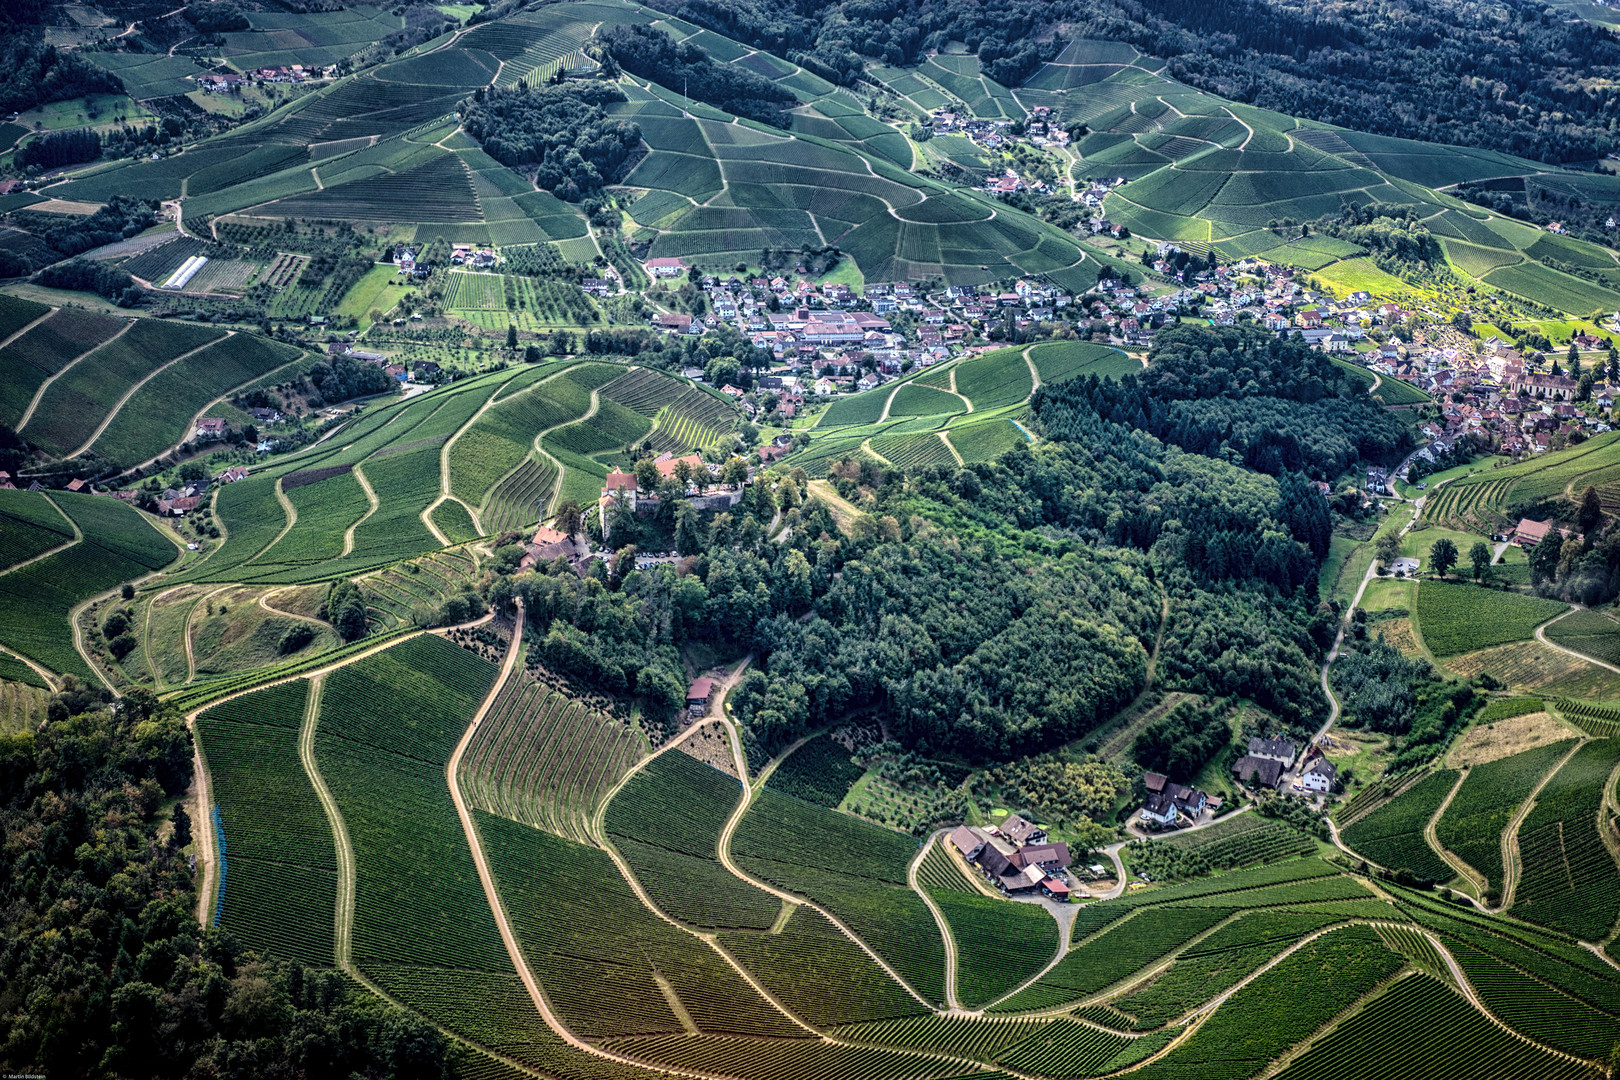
[[545, 760]]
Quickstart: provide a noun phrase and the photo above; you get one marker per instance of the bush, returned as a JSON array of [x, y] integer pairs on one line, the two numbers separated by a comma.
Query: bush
[[296, 638]]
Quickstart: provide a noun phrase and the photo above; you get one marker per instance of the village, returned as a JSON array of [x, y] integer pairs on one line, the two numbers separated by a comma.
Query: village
[[829, 339]]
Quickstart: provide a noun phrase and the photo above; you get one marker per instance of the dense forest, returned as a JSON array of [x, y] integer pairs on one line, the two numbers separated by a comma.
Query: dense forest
[[66, 235], [57, 148], [33, 73], [1241, 394], [104, 970], [560, 131], [1526, 78], [653, 54]]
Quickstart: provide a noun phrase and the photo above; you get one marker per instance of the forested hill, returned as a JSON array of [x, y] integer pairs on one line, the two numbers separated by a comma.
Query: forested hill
[[924, 624], [1524, 78], [1241, 394]]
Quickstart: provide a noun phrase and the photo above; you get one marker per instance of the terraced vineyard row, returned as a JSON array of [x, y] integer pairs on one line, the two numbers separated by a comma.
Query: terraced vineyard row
[[522, 498], [854, 869], [543, 759], [666, 823], [1599, 720], [1473, 822], [1392, 835], [643, 391], [386, 728], [1569, 881], [277, 887], [566, 900]]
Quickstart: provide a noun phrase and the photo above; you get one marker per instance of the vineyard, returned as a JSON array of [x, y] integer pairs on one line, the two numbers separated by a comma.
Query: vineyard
[[119, 545], [853, 869], [1244, 841], [694, 420], [502, 438], [666, 824], [939, 871], [1599, 720], [821, 772], [1120, 951], [522, 498], [999, 943], [1422, 1029], [1472, 825], [72, 407], [1463, 618], [572, 911], [1300, 994], [278, 881], [1569, 880], [1115, 938], [398, 596], [384, 733], [545, 760], [476, 292], [1542, 1012], [643, 390], [820, 974], [1588, 632], [45, 349], [30, 525], [1392, 835], [1218, 962], [973, 1038], [914, 451]]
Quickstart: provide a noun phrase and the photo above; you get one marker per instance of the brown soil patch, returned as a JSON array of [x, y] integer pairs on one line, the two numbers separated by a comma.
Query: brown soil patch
[[1488, 742], [709, 745], [1534, 666], [1398, 633]]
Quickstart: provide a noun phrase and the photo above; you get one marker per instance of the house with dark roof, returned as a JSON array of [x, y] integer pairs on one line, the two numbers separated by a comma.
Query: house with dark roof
[[1277, 749], [1163, 809], [1319, 773], [1009, 867], [1257, 771], [1021, 830]]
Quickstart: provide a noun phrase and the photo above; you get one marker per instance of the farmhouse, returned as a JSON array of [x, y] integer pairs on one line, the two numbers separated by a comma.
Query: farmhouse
[[1022, 831], [1319, 773], [1530, 533], [663, 268], [1257, 771], [1009, 867], [1162, 809], [211, 426]]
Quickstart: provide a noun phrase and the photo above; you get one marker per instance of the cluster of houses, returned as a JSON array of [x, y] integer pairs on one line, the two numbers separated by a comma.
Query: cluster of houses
[[1498, 397], [1271, 764], [224, 82], [831, 330], [1016, 857], [1167, 803], [422, 370], [996, 134]]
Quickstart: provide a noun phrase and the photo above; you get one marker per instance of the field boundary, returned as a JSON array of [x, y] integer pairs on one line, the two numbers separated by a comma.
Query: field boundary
[[118, 405], [1510, 832], [28, 414]]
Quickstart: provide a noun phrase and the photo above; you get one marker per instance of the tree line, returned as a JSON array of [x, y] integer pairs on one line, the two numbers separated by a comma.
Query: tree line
[[563, 132], [1524, 78], [652, 54]]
